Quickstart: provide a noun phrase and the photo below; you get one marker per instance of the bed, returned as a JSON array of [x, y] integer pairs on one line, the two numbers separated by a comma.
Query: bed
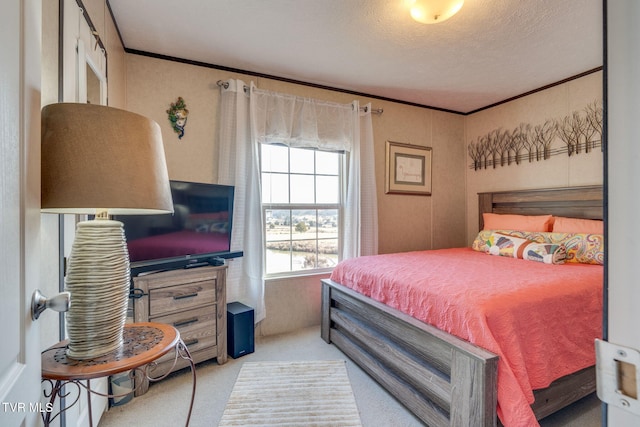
[[442, 378]]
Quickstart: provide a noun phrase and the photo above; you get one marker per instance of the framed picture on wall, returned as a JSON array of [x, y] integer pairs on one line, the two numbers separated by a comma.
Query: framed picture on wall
[[408, 169]]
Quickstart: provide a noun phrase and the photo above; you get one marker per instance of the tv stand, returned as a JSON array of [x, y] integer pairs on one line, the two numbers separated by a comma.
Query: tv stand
[[192, 300]]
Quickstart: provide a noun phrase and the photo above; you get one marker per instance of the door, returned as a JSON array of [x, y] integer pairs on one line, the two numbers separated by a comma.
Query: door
[[622, 65], [20, 39]]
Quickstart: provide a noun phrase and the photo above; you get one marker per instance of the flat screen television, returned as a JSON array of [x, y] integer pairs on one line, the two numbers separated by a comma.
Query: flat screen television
[[197, 233]]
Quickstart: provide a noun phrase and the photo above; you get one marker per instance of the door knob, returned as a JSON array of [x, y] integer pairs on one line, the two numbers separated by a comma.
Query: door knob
[[40, 303]]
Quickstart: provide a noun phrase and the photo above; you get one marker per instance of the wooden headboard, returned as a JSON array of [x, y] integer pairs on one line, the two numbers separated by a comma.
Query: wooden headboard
[[575, 202]]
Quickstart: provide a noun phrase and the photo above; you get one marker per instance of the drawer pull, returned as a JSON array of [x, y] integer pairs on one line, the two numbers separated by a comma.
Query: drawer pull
[[191, 342], [195, 294], [185, 322]]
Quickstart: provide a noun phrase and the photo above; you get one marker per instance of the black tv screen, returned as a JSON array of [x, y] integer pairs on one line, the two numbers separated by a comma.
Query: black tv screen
[[198, 231]]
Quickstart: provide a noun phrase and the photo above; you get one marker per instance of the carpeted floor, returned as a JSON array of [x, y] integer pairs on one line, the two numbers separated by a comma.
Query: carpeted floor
[[166, 403]]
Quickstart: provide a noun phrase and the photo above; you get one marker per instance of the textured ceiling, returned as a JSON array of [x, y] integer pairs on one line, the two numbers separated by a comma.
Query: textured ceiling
[[490, 51]]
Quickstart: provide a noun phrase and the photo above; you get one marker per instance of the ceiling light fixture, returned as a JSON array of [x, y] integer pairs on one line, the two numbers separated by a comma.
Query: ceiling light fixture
[[433, 11]]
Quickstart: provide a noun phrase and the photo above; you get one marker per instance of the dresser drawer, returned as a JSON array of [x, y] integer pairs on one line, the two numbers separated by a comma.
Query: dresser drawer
[[198, 332], [181, 297], [199, 339], [198, 324]]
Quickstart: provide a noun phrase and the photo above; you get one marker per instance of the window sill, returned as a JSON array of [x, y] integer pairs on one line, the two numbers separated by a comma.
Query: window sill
[[296, 274]]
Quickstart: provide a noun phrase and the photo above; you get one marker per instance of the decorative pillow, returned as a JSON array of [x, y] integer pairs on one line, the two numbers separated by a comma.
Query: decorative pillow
[[575, 225], [482, 244], [548, 253], [517, 247], [581, 248], [505, 245], [494, 221]]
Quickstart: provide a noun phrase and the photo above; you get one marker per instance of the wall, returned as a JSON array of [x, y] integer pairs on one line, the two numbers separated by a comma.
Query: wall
[[558, 171], [406, 222]]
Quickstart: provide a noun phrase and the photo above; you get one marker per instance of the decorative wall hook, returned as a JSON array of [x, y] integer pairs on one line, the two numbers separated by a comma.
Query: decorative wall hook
[[178, 116]]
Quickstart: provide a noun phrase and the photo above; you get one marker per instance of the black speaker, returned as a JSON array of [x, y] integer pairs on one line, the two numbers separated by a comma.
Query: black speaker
[[240, 336]]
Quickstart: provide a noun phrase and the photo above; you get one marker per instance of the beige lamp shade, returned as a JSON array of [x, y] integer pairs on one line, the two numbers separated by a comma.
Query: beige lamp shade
[[96, 157]]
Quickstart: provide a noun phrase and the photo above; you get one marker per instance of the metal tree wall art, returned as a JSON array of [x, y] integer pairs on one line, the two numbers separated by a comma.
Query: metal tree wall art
[[502, 141], [569, 130], [521, 141], [593, 116], [581, 131], [543, 136]]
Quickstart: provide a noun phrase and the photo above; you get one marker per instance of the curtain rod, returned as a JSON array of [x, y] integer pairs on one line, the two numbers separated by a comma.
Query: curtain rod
[[373, 110], [225, 85]]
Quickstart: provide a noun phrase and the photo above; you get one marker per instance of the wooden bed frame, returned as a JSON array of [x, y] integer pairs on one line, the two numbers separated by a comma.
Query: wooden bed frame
[[442, 379]]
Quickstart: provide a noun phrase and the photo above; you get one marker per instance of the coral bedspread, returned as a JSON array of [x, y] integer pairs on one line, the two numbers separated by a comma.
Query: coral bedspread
[[540, 319]]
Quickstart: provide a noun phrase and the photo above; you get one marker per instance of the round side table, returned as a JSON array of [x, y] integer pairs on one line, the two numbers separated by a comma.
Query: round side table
[[143, 344]]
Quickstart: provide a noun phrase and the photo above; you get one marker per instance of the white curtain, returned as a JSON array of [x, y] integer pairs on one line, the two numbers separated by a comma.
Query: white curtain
[[302, 122], [238, 165], [361, 212], [252, 116]]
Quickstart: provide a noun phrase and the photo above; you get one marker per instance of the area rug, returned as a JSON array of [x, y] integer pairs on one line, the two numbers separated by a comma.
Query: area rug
[[306, 393]]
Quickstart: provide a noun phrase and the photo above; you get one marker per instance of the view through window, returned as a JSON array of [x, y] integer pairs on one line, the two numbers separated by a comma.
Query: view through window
[[301, 202]]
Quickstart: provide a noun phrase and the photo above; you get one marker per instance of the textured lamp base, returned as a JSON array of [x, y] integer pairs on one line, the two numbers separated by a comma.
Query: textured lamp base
[[98, 278]]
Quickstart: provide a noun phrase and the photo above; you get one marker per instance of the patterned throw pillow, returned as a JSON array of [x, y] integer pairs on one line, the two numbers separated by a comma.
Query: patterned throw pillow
[[548, 253], [581, 248], [482, 241], [516, 247], [506, 245]]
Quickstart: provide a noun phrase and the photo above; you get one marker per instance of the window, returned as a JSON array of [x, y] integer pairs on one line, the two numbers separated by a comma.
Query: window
[[301, 205]]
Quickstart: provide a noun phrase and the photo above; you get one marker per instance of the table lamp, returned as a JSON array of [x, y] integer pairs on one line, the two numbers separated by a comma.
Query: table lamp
[[100, 161]]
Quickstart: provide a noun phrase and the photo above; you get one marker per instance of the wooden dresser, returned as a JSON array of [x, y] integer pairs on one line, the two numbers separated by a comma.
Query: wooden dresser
[[194, 301]]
